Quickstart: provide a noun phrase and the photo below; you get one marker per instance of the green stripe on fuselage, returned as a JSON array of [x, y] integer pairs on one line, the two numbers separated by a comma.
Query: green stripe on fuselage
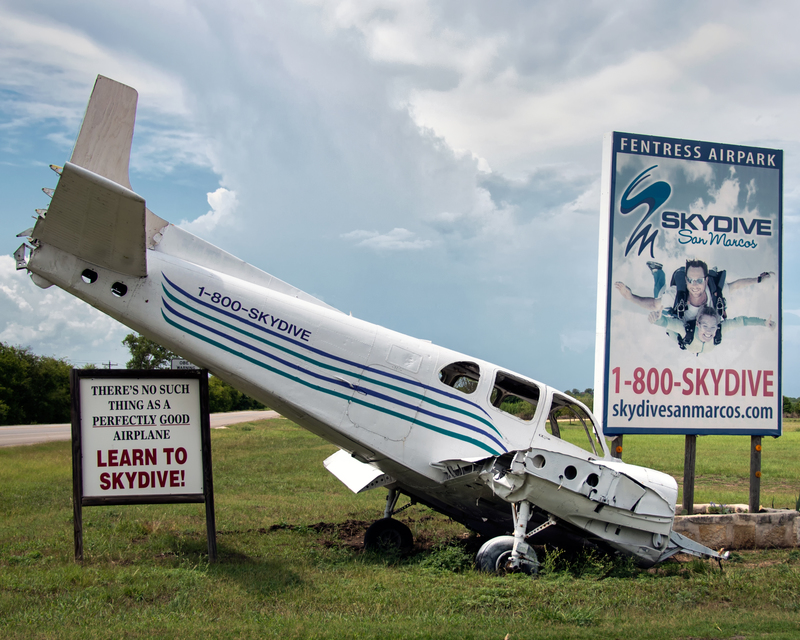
[[322, 365], [331, 392]]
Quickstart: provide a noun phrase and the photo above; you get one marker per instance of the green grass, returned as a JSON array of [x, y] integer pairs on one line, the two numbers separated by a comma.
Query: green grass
[[291, 565]]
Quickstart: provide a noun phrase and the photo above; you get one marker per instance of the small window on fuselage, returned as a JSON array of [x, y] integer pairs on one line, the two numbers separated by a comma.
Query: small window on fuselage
[[517, 397], [462, 376]]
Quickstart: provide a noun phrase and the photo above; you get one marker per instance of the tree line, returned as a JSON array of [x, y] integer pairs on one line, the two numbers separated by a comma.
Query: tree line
[[35, 389]]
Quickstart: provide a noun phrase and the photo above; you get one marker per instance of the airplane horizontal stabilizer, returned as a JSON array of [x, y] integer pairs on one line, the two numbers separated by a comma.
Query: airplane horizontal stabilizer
[[97, 220]]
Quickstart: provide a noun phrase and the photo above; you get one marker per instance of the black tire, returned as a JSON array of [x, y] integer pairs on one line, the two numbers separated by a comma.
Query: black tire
[[494, 554], [388, 534]]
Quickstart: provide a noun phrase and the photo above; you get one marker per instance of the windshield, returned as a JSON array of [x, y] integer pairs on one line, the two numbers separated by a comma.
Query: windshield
[[572, 423]]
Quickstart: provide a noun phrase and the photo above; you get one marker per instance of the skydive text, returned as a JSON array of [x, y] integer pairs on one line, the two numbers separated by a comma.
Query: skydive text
[[697, 381], [647, 409], [273, 322]]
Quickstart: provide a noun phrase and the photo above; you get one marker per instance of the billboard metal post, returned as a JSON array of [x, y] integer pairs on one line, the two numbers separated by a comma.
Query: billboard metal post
[[616, 446], [689, 466], [755, 474], [208, 476]]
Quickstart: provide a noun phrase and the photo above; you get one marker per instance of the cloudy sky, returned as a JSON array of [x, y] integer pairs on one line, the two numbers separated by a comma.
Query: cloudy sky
[[433, 167]]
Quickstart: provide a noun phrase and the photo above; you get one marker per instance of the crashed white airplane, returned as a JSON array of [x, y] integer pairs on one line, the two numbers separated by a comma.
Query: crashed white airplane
[[503, 454]]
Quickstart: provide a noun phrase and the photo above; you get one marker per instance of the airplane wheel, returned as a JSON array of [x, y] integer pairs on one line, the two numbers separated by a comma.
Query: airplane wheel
[[388, 533], [494, 554]]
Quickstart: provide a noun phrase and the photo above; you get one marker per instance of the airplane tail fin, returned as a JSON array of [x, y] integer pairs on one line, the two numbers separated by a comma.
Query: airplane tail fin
[[104, 142], [94, 214]]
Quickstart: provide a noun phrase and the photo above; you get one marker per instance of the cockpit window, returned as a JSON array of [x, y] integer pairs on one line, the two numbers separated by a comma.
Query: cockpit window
[[515, 396], [571, 422], [462, 376]]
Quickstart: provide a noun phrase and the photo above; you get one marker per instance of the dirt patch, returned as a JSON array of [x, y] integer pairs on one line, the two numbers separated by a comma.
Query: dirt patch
[[349, 534]]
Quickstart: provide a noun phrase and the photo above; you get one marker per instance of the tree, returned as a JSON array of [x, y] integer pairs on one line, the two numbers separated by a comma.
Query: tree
[[586, 397], [223, 397], [33, 389], [147, 354]]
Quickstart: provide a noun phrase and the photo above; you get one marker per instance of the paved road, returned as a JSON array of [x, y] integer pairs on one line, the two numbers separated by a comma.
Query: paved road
[[33, 434]]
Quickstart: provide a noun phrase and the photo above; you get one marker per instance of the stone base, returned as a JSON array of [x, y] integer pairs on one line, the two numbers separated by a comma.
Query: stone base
[[778, 528], [714, 508]]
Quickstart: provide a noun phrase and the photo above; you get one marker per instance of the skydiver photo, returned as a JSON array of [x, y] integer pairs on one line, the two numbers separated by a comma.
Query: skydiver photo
[[695, 291], [706, 331]]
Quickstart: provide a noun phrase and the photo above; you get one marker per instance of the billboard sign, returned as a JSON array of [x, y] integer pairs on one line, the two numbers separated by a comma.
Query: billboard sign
[[689, 285]]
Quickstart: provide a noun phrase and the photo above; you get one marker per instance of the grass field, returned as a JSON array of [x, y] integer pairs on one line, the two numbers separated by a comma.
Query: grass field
[[291, 566]]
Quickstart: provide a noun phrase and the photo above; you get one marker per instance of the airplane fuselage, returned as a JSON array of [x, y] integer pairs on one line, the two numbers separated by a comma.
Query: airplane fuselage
[[373, 392]]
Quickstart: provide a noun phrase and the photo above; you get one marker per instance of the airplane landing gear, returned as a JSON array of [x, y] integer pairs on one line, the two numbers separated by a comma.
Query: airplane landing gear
[[511, 553], [495, 556], [388, 533]]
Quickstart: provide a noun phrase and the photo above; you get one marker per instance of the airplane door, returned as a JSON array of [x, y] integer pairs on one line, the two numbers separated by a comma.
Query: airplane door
[[387, 398]]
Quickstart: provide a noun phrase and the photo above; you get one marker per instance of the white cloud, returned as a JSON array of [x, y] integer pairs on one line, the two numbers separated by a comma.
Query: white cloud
[[53, 322], [48, 69], [223, 207], [394, 240]]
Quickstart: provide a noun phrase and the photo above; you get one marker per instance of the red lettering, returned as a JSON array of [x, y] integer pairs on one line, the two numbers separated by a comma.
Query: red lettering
[[112, 458], [162, 478], [731, 388], [105, 480], [125, 459], [116, 479], [150, 457], [687, 379], [131, 476], [754, 387], [138, 457], [174, 478], [716, 380], [180, 455], [768, 383], [168, 451], [144, 479], [100, 462], [701, 381]]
